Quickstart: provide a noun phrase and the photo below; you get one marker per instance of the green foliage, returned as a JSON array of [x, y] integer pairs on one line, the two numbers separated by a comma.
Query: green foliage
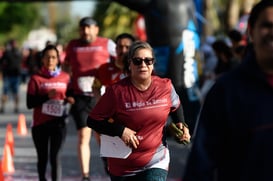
[[17, 19], [66, 30], [99, 13], [114, 18]]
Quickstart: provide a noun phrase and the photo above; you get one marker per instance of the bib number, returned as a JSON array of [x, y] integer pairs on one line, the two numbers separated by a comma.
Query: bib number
[[53, 108], [85, 83]]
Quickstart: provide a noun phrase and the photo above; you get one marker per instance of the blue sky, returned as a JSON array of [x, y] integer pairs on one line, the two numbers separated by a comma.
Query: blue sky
[[82, 8]]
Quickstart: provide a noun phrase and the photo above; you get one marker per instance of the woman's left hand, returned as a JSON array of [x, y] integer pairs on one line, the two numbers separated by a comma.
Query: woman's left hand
[[70, 100], [186, 134]]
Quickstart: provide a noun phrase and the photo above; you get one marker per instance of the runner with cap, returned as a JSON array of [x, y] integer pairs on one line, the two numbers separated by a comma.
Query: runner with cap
[[83, 56]]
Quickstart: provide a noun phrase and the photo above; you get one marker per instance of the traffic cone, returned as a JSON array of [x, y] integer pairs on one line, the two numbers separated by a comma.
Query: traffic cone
[[21, 126], [9, 138], [1, 172], [7, 161]]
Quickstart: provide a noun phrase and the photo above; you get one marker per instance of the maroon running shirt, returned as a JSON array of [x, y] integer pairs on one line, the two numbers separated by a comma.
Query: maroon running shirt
[[109, 73], [145, 112], [40, 85], [84, 59]]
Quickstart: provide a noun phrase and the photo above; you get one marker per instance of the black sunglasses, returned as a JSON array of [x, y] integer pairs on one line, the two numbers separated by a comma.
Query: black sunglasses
[[147, 60]]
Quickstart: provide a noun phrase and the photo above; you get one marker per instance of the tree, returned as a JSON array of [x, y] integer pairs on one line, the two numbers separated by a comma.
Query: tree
[[17, 19], [223, 15], [114, 18]]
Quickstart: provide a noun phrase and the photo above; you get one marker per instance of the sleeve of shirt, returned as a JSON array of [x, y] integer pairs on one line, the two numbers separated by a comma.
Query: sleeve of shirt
[[177, 112], [178, 115], [174, 99], [112, 48], [34, 99], [69, 91], [102, 112], [105, 127]]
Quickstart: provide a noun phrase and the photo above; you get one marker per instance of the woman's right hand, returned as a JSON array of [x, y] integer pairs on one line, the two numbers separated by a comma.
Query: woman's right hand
[[129, 137], [52, 93]]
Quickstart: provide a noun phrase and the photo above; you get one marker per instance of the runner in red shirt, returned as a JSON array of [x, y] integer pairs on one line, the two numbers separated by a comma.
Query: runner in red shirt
[[46, 94], [113, 71], [83, 57], [140, 105]]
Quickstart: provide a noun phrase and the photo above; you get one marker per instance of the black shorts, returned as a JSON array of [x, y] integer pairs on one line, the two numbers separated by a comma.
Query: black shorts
[[81, 109]]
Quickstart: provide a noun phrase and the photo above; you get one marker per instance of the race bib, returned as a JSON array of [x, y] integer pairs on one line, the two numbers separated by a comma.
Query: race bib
[[85, 83], [53, 108]]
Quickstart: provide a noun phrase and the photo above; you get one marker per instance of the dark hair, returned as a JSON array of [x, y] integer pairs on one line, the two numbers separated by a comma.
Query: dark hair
[[235, 35], [220, 46], [125, 35], [132, 50], [256, 11], [51, 47], [126, 64], [138, 45]]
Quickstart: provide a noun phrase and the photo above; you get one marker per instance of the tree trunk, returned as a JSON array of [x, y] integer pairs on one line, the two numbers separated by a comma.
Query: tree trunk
[[212, 21], [233, 13], [247, 5]]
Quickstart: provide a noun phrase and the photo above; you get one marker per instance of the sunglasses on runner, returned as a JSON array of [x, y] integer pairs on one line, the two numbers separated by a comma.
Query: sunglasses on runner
[[147, 60]]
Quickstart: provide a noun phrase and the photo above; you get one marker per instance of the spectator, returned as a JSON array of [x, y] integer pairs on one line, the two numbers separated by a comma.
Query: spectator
[[234, 135], [24, 66], [10, 64], [224, 57], [209, 64], [238, 46]]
